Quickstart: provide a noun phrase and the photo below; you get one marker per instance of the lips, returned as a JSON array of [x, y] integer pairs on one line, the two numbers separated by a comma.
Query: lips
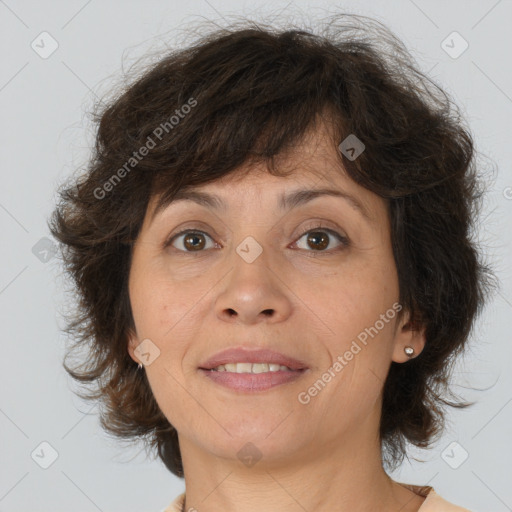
[[244, 355]]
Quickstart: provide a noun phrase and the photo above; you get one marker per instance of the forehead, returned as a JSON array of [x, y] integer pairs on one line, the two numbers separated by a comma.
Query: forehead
[[310, 169]]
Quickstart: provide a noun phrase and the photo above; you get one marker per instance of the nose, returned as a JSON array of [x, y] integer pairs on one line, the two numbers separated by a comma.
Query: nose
[[253, 293]]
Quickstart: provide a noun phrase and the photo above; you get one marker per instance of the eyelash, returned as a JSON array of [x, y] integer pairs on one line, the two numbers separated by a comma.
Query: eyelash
[[317, 227]]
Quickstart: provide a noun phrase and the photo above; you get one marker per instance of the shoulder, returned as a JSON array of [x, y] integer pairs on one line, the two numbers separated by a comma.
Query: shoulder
[[176, 505], [435, 503]]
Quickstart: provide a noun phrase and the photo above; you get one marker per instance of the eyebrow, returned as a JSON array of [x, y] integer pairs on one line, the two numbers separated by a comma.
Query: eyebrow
[[286, 201]]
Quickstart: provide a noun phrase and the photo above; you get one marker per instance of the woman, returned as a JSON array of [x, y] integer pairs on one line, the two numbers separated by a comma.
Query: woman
[[272, 253]]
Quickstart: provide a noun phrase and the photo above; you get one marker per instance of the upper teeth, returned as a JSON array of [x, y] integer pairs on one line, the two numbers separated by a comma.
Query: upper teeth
[[250, 367]]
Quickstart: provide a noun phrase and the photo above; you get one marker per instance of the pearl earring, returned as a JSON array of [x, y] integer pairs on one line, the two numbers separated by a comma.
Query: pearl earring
[[409, 351]]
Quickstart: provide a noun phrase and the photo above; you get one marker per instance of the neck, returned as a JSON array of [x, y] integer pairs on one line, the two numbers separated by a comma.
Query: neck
[[341, 476]]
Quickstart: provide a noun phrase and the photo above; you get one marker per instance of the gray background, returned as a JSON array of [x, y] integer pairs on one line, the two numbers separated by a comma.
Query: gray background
[[45, 134]]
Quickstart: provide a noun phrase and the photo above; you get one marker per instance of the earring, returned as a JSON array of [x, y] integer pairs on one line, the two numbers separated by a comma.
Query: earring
[[140, 366], [409, 351]]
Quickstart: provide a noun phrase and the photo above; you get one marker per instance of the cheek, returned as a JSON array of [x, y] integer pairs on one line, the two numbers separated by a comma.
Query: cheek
[[354, 311], [159, 304], [350, 299], [170, 315]]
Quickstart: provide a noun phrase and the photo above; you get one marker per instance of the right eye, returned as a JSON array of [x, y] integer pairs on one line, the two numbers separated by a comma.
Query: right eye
[[189, 240]]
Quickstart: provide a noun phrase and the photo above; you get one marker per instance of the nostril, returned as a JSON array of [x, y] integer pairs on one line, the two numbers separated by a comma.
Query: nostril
[[268, 312]]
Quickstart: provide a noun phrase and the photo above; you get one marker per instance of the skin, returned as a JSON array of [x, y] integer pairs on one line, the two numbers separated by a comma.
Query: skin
[[321, 456]]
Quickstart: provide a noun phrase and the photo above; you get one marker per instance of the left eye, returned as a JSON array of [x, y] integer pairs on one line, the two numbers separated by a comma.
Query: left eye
[[318, 238]]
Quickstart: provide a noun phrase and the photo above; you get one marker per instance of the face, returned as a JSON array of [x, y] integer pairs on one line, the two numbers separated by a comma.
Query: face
[[314, 281]]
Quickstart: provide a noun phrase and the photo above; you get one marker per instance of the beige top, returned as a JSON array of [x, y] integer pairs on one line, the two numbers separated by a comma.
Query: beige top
[[432, 503]]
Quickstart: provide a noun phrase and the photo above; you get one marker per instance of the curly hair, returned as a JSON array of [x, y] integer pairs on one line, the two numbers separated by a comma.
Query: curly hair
[[245, 94]]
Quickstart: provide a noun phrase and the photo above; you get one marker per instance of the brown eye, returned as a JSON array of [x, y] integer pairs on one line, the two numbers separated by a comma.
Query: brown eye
[[194, 241], [190, 241], [319, 239]]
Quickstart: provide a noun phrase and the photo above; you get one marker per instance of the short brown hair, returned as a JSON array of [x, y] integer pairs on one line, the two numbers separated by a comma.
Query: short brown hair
[[253, 91]]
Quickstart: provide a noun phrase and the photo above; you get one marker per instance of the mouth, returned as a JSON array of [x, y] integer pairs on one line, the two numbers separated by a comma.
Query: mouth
[[247, 370], [251, 368]]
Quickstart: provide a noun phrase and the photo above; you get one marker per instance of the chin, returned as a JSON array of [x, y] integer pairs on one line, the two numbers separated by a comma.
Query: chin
[[278, 433], [270, 451]]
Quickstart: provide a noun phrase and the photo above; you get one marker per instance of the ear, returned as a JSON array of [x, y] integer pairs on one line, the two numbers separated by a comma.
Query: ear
[[409, 333], [132, 345]]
